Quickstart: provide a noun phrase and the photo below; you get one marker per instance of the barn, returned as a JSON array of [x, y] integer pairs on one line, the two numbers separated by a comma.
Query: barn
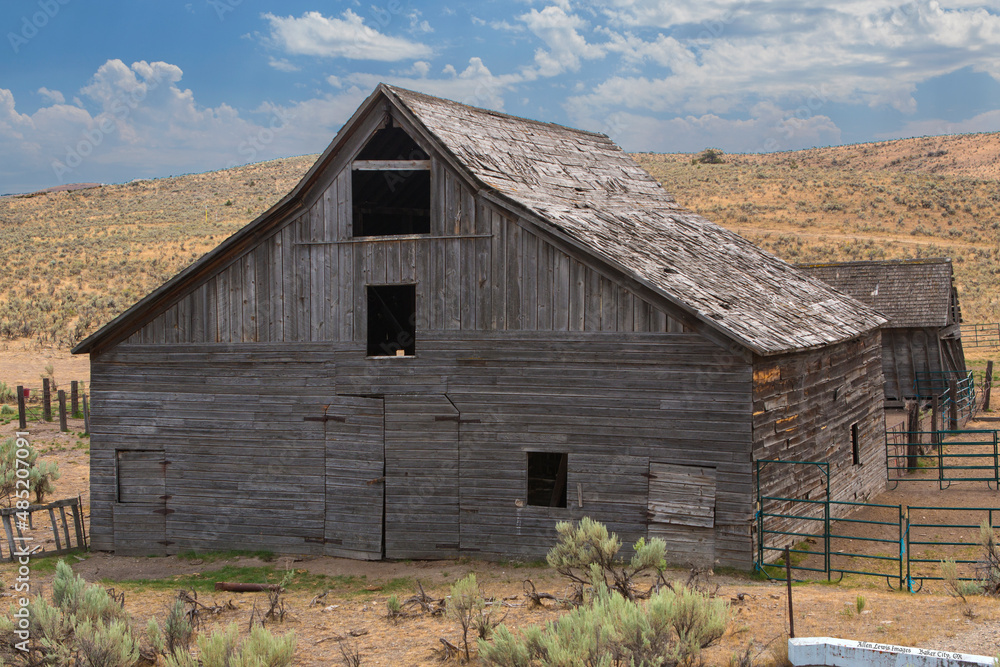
[[922, 343], [458, 329]]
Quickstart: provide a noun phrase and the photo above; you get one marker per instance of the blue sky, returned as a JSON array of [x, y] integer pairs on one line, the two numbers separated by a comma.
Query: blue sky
[[112, 91]]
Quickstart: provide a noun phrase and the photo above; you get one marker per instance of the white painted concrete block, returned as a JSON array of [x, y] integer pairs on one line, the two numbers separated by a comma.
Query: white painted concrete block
[[827, 651]]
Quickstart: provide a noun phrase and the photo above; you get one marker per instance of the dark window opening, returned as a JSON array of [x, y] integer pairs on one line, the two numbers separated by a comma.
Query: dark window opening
[[392, 320], [391, 202], [547, 479], [855, 444], [392, 143]]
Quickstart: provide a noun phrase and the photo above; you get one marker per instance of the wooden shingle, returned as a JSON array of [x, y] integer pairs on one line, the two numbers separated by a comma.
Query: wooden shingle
[[910, 293], [585, 187]]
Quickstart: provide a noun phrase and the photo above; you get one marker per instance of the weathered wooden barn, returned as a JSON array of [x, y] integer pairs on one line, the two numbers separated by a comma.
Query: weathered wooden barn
[[922, 343], [459, 328]]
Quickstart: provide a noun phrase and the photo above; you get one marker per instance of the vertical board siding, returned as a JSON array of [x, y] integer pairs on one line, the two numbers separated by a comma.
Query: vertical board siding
[[479, 270]]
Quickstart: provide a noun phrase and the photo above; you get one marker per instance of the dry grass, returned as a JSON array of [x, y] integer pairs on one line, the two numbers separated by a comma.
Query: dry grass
[[71, 261]]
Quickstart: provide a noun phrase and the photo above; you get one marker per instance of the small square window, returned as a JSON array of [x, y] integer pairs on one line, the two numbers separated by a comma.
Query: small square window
[[547, 479], [855, 444], [392, 318]]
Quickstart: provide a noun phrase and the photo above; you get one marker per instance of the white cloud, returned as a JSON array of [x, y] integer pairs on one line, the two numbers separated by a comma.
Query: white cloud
[[857, 52], [988, 121], [313, 34], [53, 96], [418, 24], [283, 65], [136, 121], [475, 85], [505, 26], [766, 128], [560, 32]]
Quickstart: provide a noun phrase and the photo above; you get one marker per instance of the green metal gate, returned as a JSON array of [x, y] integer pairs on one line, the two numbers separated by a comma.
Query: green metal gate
[[954, 455], [815, 528]]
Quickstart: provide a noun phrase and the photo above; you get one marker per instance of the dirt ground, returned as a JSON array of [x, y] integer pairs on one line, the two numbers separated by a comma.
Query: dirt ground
[[23, 362], [352, 613]]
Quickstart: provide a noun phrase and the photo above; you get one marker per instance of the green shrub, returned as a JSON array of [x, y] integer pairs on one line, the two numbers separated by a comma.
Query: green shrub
[[111, 645], [223, 649], [672, 627], [464, 605], [177, 628], [41, 474], [394, 609], [155, 636], [586, 545], [708, 156], [83, 621]]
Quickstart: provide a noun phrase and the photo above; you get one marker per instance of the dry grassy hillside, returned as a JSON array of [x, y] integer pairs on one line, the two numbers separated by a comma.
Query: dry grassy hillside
[[70, 261], [813, 206]]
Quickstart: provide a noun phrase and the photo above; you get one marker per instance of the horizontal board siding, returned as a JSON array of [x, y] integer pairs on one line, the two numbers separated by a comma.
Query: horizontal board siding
[[355, 472], [610, 401], [141, 476], [139, 530], [247, 469], [804, 405], [244, 468], [422, 479]]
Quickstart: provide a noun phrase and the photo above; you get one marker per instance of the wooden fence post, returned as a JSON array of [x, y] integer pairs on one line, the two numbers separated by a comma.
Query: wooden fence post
[[74, 398], [22, 415], [86, 416], [953, 406], [62, 411], [987, 385], [913, 434], [935, 418], [46, 400]]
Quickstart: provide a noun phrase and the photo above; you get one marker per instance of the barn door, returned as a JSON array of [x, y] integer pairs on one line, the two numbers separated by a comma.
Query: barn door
[[140, 510], [421, 505], [682, 511], [355, 478]]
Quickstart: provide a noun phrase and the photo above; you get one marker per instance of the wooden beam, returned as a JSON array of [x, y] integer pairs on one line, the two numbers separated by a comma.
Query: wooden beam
[[987, 386], [391, 165]]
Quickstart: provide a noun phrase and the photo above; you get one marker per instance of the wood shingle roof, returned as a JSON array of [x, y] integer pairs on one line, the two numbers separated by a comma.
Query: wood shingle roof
[[584, 186], [911, 293]]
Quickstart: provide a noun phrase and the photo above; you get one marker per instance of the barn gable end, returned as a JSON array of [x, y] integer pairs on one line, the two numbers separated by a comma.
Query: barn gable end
[[922, 341]]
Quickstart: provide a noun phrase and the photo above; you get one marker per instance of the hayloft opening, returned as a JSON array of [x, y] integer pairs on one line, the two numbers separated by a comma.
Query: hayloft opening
[[547, 479], [392, 320], [391, 186], [855, 444]]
